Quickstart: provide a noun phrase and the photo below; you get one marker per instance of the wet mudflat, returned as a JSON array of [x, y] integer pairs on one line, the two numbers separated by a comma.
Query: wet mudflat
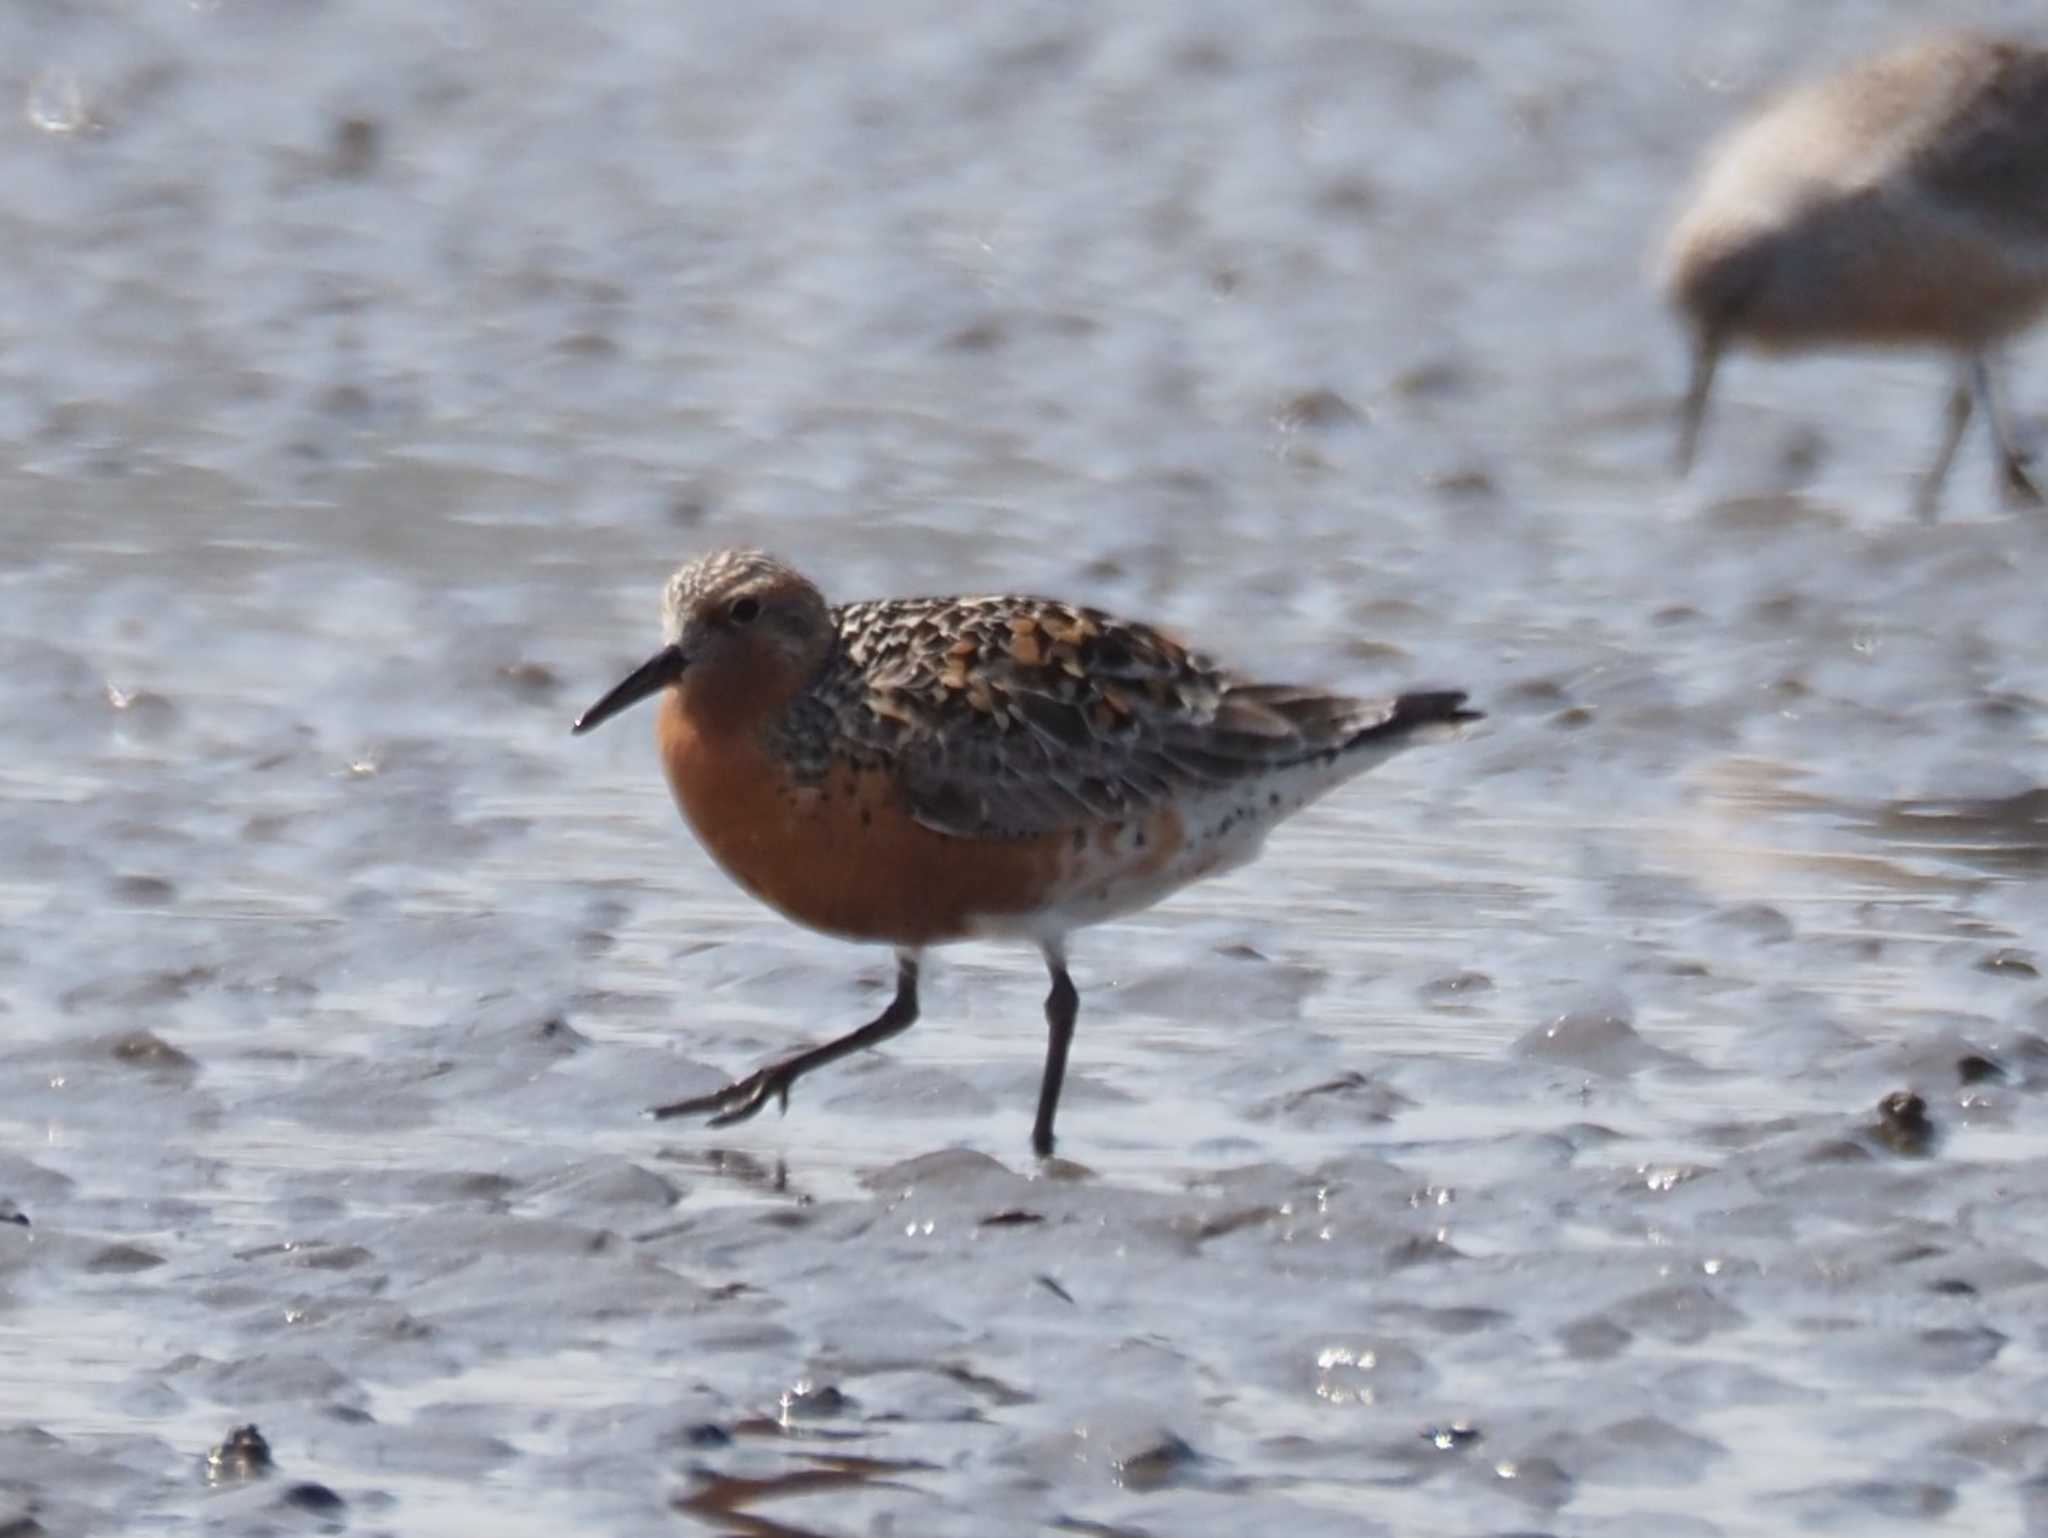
[[1525, 1145]]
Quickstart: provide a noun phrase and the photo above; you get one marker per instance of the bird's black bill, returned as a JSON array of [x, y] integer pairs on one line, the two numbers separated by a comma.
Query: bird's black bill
[[651, 677]]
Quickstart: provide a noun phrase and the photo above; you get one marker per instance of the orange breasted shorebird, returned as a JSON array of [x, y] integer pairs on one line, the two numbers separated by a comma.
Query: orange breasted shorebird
[[914, 771], [1902, 201]]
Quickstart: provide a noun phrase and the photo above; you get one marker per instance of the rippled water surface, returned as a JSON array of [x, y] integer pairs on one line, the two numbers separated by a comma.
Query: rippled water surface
[[1501, 1154]]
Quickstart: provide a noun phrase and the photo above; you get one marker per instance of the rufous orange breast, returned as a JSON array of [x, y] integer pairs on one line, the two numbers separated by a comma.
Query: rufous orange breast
[[842, 854]]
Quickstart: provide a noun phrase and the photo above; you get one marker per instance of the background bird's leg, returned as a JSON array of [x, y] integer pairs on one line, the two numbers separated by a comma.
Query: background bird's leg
[[2012, 464], [1955, 419], [743, 1097], [1061, 1005], [1692, 414]]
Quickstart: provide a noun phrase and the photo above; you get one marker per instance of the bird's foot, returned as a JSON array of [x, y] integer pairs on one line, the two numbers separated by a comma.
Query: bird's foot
[[738, 1100]]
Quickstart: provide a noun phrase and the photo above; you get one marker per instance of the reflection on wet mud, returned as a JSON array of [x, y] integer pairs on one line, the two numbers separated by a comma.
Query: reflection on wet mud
[[730, 1498], [2005, 835], [738, 1169]]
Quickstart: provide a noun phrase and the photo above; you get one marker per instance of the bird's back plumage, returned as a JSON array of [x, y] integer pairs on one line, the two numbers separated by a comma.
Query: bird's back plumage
[[1009, 717]]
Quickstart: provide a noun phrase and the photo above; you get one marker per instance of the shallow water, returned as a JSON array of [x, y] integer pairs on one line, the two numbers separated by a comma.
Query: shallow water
[[1501, 1153]]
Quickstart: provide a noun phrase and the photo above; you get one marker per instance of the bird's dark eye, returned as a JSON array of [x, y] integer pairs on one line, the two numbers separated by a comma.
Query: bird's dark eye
[[745, 610]]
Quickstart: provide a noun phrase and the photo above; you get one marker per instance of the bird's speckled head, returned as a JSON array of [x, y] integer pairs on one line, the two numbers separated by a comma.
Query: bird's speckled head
[[740, 631], [732, 604], [708, 587]]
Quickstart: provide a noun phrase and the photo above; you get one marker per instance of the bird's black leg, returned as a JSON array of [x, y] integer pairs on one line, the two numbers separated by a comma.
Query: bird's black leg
[[1061, 1006], [743, 1097]]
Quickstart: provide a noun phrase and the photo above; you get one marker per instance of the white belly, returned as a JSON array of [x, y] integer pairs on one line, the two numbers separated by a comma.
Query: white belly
[[1122, 868]]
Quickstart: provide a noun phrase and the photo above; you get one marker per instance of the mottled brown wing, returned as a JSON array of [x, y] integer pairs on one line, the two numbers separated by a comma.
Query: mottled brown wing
[[1009, 717]]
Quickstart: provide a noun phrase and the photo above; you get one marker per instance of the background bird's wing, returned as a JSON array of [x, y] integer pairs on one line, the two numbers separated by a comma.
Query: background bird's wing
[[1986, 158]]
